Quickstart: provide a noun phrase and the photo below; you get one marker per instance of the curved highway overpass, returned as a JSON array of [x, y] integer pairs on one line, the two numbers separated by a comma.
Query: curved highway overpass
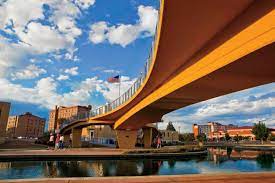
[[202, 50]]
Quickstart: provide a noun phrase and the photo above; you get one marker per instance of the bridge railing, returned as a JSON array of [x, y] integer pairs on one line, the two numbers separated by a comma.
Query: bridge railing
[[72, 119], [126, 96], [133, 89]]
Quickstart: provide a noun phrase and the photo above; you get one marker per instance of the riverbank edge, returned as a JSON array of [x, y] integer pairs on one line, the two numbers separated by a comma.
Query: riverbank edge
[[60, 157], [268, 177], [245, 147]]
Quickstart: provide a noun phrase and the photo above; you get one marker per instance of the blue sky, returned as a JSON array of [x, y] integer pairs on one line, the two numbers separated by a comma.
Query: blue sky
[[62, 51]]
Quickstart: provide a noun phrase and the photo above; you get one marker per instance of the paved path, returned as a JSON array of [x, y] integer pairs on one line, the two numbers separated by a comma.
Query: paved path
[[195, 178], [99, 153], [73, 151], [21, 144]]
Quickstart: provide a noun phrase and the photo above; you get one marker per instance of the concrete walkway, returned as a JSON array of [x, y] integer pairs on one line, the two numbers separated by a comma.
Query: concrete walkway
[[99, 153], [59, 154], [73, 151], [195, 178]]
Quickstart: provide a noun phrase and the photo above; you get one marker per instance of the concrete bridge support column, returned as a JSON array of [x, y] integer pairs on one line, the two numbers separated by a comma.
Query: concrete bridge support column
[[147, 137], [76, 137], [67, 139], [126, 138]]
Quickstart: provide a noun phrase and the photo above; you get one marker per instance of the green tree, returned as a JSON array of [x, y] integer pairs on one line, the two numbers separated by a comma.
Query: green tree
[[201, 137], [271, 138], [227, 137], [260, 131], [170, 127], [237, 138], [186, 137]]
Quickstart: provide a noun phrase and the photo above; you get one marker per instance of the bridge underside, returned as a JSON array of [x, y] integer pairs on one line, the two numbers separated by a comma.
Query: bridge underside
[[252, 70], [204, 50], [84, 123]]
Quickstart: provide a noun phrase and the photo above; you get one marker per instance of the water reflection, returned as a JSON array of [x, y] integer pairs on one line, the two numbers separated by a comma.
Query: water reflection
[[220, 155], [171, 163], [101, 168], [217, 160], [265, 160]]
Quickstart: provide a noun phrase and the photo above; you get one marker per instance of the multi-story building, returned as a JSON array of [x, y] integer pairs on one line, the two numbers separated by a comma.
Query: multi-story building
[[4, 115], [25, 125], [200, 129], [61, 113], [212, 129], [244, 131]]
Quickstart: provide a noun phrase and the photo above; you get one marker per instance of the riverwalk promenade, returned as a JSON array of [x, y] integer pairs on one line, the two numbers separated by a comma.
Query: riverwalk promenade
[[96, 153], [267, 177]]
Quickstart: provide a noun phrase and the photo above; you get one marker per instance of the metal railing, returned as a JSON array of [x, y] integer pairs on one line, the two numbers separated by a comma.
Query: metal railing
[[125, 96]]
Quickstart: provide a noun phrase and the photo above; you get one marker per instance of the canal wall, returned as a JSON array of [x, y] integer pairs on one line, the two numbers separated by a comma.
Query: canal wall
[[267, 177]]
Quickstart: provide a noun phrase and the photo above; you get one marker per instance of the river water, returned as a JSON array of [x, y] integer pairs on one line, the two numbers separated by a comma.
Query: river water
[[217, 160]]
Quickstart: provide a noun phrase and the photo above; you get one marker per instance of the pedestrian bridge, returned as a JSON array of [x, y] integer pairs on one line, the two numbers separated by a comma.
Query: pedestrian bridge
[[201, 50]]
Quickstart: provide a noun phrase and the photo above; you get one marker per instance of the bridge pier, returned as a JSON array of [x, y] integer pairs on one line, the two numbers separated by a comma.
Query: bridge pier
[[147, 137], [67, 139], [76, 137], [126, 138]]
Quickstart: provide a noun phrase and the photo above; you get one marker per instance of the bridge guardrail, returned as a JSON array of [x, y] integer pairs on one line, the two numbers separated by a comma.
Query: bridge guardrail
[[126, 96]]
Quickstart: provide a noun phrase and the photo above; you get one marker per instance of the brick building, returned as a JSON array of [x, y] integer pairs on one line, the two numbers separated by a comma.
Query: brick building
[[212, 129], [244, 131], [63, 113], [4, 116], [25, 125]]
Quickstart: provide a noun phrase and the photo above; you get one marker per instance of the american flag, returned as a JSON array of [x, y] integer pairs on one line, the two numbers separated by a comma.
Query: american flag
[[115, 79]]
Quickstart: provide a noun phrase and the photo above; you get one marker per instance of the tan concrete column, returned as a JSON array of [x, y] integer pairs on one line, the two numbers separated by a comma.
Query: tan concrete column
[[76, 137], [67, 139], [147, 137], [126, 138]]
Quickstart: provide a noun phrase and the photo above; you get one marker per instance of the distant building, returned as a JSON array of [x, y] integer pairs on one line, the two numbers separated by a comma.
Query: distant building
[[4, 116], [102, 135], [200, 129], [169, 136], [212, 129], [63, 113], [25, 125], [244, 131], [272, 131]]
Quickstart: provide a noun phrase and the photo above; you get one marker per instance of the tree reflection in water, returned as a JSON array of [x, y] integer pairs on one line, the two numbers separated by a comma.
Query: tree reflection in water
[[102, 168], [265, 160], [229, 151], [171, 163]]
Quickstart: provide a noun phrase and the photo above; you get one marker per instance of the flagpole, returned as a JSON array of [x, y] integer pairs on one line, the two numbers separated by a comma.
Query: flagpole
[[119, 87]]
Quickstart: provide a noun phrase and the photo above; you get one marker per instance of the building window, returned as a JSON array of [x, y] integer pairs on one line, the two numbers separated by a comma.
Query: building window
[[92, 134], [0, 113]]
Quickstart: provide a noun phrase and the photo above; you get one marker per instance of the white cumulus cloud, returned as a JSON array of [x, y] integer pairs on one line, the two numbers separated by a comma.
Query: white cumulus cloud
[[50, 41], [124, 34], [22, 21], [62, 77], [84, 4], [45, 93], [72, 71], [98, 32], [30, 72], [18, 13]]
